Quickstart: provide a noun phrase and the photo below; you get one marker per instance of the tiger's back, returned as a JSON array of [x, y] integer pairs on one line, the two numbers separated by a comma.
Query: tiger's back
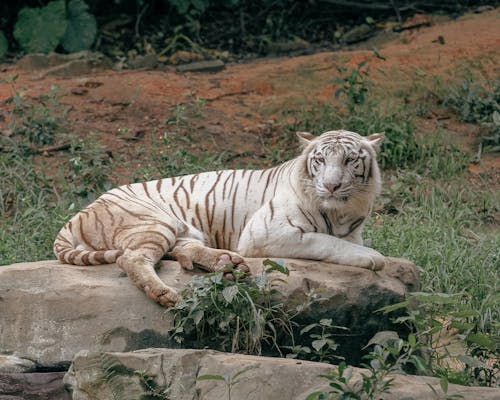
[[212, 207]]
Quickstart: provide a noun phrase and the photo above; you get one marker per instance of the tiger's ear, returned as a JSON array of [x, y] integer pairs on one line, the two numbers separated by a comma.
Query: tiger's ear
[[305, 138], [376, 140]]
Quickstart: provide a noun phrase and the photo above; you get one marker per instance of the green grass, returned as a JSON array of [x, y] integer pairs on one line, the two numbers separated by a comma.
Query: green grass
[[447, 231], [31, 211]]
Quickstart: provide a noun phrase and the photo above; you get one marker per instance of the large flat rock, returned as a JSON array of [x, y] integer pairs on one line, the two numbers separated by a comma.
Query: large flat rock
[[114, 375], [50, 311]]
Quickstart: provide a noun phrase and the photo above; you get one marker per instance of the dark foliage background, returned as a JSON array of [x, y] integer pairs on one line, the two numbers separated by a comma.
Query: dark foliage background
[[237, 26]]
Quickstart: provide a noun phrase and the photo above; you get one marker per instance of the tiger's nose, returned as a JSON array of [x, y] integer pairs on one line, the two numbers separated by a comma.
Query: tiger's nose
[[332, 187]]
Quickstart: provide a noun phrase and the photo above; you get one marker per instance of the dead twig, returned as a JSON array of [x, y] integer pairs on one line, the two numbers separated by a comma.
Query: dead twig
[[215, 98], [388, 6], [405, 28], [38, 150], [52, 149]]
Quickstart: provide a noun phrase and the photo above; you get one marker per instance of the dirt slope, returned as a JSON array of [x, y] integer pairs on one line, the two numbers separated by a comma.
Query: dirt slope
[[238, 101]]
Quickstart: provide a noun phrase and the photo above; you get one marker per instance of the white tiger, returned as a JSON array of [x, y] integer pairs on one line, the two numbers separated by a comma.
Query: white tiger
[[312, 207]]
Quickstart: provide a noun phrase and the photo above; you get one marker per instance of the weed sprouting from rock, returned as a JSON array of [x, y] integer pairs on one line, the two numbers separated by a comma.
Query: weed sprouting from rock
[[236, 316]]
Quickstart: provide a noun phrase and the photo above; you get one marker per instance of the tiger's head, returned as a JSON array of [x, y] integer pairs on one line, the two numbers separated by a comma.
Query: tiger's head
[[341, 166]]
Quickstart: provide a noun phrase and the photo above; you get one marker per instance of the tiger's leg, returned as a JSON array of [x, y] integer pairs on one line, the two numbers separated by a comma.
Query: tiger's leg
[[290, 241], [192, 252], [143, 251]]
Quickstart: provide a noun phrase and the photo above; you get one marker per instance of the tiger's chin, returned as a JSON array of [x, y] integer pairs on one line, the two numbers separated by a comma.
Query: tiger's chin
[[332, 202]]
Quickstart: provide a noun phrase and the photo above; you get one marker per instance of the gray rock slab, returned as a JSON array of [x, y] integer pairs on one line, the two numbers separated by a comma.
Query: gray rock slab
[[13, 364], [104, 375], [50, 311], [33, 386]]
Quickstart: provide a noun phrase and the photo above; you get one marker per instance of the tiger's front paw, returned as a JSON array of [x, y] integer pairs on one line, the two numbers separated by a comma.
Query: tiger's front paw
[[370, 259], [378, 262]]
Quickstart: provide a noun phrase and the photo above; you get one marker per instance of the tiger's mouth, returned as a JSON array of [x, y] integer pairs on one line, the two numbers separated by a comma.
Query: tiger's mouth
[[335, 196], [330, 200]]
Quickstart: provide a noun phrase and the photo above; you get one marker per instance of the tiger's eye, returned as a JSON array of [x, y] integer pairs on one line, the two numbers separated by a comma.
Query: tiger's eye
[[348, 160], [321, 160]]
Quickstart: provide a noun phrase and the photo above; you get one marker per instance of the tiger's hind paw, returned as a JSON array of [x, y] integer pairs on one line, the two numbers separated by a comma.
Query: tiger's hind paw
[[166, 297]]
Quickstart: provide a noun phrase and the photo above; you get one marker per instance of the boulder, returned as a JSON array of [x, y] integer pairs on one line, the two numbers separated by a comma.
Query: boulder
[[174, 373], [49, 311], [33, 386]]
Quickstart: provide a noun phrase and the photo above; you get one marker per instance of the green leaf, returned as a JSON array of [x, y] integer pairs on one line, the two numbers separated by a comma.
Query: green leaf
[[481, 340], [383, 338], [308, 328], [437, 298], [314, 396], [276, 265], [412, 340], [40, 30], [394, 307], [496, 118], [246, 369], [443, 382], [229, 293], [197, 316], [82, 27], [318, 344], [4, 45]]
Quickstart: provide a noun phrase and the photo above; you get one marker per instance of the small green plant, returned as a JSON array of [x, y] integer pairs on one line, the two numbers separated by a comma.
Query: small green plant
[[236, 316], [344, 387], [354, 85], [322, 346], [37, 121], [230, 379], [478, 102], [89, 167], [153, 391]]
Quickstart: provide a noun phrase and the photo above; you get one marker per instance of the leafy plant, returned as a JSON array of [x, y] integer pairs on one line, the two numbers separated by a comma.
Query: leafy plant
[[389, 356], [38, 123], [42, 29], [478, 102], [230, 379], [354, 84], [432, 315], [36, 120], [232, 315], [344, 387], [82, 27], [323, 347], [89, 167]]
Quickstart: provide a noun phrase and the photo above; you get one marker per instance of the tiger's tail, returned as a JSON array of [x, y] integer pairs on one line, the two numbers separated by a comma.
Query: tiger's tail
[[67, 253]]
